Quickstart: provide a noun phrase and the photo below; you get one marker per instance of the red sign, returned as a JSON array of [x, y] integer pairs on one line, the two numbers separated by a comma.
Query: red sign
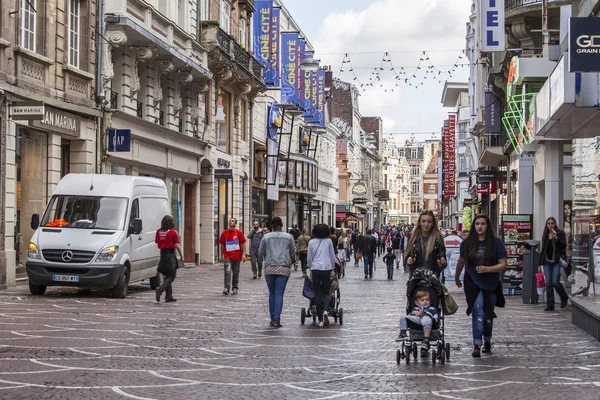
[[449, 158]]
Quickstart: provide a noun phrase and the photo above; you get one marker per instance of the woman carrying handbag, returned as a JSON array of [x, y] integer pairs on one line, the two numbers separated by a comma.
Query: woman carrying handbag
[[167, 240], [554, 244]]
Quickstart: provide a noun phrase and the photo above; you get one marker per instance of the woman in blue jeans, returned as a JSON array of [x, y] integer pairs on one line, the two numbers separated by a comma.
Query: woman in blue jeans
[[321, 261], [484, 256], [278, 251], [554, 244]]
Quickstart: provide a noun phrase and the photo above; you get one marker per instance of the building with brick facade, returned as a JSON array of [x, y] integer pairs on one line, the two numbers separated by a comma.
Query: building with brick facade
[[48, 117], [178, 76]]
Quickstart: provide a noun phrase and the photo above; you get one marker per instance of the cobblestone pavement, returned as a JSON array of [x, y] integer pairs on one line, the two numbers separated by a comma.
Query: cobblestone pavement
[[71, 344]]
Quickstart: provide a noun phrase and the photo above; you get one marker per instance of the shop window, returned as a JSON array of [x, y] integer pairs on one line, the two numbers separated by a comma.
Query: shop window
[[31, 158], [182, 14], [243, 33], [222, 125], [204, 10], [28, 24], [176, 202], [74, 27]]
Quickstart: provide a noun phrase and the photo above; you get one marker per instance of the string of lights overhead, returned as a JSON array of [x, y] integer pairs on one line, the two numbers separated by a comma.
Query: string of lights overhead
[[412, 76]]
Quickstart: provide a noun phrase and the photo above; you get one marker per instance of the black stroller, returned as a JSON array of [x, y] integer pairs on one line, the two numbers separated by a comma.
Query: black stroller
[[333, 309], [424, 280]]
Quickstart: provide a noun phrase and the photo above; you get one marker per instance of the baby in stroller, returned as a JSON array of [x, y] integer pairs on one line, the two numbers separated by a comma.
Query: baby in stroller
[[423, 314], [424, 319]]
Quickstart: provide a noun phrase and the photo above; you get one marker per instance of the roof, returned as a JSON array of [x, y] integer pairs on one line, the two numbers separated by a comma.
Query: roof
[[451, 92], [104, 184]]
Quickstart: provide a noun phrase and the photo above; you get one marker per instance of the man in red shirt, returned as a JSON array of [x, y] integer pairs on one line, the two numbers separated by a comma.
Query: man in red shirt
[[232, 241]]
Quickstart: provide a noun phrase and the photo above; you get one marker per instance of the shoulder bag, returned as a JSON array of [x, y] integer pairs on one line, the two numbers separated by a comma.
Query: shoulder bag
[[448, 304]]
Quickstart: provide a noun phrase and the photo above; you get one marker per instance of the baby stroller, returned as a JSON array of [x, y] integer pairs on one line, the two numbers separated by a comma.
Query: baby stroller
[[333, 309], [424, 280]]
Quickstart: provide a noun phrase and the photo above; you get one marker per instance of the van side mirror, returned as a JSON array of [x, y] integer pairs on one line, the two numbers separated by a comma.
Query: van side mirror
[[35, 221], [137, 226]]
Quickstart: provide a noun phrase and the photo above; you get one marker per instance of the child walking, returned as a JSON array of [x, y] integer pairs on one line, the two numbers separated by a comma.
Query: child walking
[[424, 315], [388, 259]]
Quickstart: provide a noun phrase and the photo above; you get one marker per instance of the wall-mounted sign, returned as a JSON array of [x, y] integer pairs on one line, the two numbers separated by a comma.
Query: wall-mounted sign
[[223, 174], [584, 45], [360, 200], [315, 207], [492, 25], [119, 140], [59, 121], [223, 163], [26, 110], [493, 113], [359, 189], [384, 195]]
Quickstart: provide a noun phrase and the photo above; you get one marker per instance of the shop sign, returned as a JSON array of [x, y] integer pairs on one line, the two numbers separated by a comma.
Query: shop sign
[[449, 159], [452, 244], [493, 106], [26, 110], [359, 189], [492, 25], [513, 76], [59, 121], [223, 174], [223, 163], [516, 228], [119, 140], [384, 195], [315, 207], [467, 203], [360, 200], [584, 45]]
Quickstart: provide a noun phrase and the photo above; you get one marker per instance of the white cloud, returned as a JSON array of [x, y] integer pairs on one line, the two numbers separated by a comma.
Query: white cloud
[[410, 26]]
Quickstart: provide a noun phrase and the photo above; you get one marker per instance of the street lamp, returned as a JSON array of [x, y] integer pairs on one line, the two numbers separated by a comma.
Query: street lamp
[[309, 64]]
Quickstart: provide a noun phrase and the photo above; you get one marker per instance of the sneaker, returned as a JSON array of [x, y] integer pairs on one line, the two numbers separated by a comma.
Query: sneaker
[[563, 303], [370, 276], [487, 347], [170, 300], [476, 351], [320, 324], [325, 319], [158, 294], [226, 291], [259, 274], [402, 336], [366, 277], [549, 308], [277, 325], [235, 291], [272, 323], [254, 276], [425, 349]]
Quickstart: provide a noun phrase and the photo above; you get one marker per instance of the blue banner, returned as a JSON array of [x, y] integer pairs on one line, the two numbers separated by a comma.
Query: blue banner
[[275, 53], [319, 98], [289, 68], [300, 81], [314, 98], [262, 35], [307, 94]]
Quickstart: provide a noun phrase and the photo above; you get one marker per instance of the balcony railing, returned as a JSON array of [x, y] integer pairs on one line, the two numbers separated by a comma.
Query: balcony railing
[[512, 4], [228, 45]]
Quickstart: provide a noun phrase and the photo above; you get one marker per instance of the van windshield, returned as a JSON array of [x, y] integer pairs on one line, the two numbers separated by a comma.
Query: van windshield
[[86, 212]]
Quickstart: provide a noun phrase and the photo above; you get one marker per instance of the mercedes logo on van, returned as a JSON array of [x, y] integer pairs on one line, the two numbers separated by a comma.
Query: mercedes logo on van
[[67, 256]]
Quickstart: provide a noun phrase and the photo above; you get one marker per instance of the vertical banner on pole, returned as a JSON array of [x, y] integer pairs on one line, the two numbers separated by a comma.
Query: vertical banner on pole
[[289, 68], [275, 52]]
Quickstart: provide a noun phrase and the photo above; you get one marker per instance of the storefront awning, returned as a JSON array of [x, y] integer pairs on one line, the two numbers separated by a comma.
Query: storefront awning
[[340, 216], [492, 156], [344, 216]]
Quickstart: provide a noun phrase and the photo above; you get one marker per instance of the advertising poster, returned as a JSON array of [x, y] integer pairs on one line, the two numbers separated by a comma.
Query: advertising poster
[[516, 229], [291, 174], [272, 170], [452, 243], [282, 173], [305, 176], [298, 174]]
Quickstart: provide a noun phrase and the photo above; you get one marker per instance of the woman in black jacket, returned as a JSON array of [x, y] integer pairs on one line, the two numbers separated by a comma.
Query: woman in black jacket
[[485, 257], [426, 246], [554, 244]]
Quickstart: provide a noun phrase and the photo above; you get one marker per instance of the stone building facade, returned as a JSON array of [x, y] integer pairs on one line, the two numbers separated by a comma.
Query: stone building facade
[[48, 116]]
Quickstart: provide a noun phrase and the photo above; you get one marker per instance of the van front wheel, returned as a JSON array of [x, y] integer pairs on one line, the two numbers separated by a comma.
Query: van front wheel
[[37, 290], [120, 289], [156, 281]]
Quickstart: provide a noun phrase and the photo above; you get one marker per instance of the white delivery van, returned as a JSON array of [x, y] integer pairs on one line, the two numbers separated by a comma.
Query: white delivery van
[[98, 231]]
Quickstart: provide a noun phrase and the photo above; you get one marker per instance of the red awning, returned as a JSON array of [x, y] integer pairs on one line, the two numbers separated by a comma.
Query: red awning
[[340, 216]]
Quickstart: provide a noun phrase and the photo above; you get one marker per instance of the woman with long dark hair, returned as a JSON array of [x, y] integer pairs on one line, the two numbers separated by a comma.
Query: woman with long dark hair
[[167, 240], [554, 245], [321, 261], [485, 258], [426, 246]]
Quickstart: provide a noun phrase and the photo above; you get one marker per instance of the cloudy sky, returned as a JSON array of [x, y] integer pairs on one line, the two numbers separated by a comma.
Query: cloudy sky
[[367, 29]]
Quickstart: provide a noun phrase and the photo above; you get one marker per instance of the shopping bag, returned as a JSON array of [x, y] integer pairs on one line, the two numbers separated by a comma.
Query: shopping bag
[[541, 282], [359, 256], [449, 305], [307, 290]]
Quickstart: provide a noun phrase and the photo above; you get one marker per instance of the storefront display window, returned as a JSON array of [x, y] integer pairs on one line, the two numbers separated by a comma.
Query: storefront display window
[[176, 203], [292, 210], [31, 188], [581, 217]]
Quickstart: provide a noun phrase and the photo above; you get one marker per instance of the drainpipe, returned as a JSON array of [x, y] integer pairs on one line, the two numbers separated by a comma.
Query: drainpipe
[[545, 32], [100, 29]]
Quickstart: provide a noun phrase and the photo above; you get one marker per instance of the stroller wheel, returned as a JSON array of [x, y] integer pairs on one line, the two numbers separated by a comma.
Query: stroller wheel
[[447, 351], [433, 356], [415, 351], [341, 316], [398, 356], [295, 267], [443, 356], [302, 315]]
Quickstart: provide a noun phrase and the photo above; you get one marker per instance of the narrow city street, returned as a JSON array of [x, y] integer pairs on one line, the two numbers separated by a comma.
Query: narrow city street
[[71, 344]]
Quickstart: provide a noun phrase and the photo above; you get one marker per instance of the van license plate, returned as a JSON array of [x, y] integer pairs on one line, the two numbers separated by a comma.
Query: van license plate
[[65, 278]]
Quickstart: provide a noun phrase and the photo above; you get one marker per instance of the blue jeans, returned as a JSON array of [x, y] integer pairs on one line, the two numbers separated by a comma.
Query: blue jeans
[[482, 327], [552, 277], [368, 259], [276, 285], [390, 269], [347, 250], [355, 255]]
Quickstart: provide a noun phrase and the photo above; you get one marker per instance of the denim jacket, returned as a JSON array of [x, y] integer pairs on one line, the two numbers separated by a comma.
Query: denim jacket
[[277, 249]]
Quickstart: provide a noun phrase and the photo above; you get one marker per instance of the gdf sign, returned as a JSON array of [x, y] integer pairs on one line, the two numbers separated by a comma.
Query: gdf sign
[[584, 45]]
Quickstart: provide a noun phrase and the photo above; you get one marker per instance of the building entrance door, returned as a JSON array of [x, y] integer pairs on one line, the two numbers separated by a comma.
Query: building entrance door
[[189, 223]]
